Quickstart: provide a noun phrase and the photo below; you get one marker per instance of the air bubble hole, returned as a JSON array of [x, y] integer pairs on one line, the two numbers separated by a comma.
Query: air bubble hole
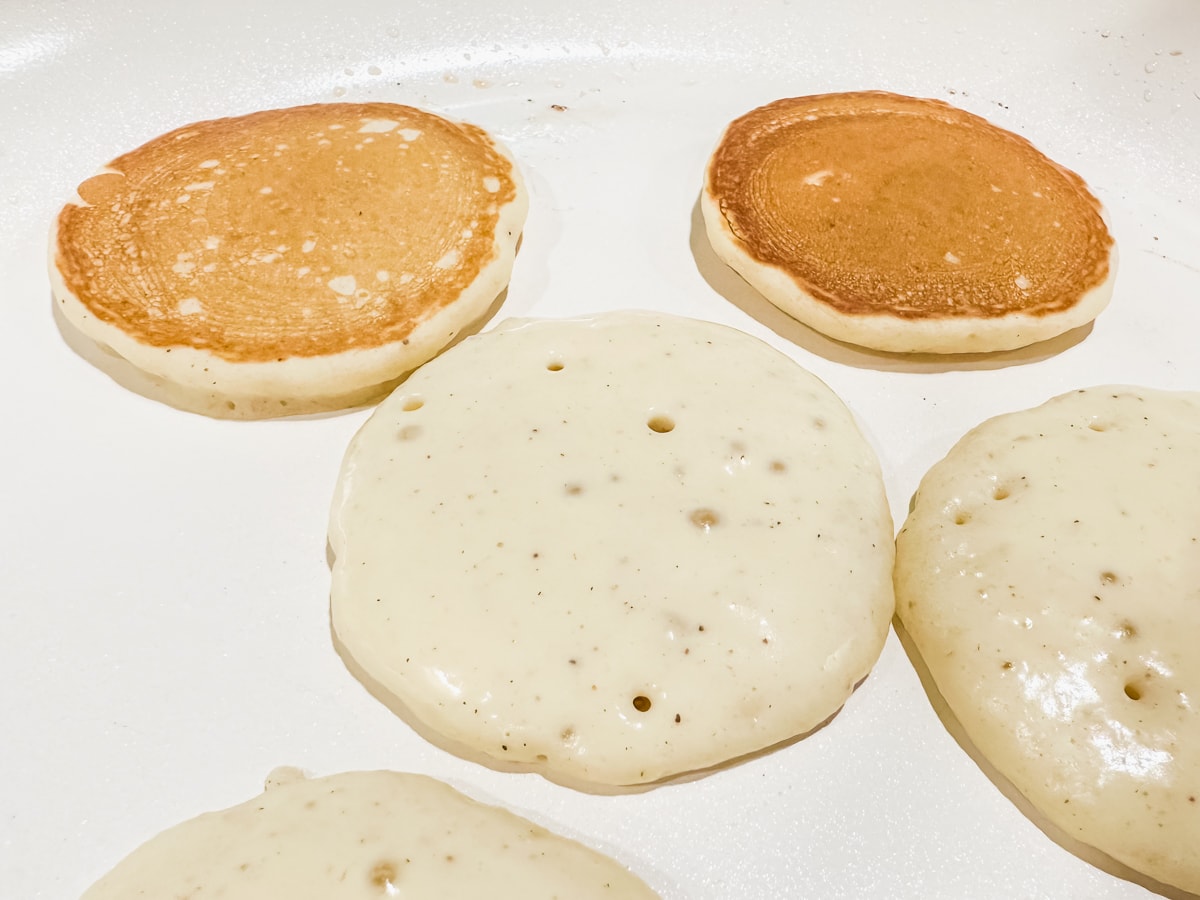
[[661, 424]]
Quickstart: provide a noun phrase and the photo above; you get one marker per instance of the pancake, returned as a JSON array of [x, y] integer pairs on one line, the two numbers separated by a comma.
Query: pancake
[[1049, 575], [612, 550], [363, 835], [289, 260], [906, 225]]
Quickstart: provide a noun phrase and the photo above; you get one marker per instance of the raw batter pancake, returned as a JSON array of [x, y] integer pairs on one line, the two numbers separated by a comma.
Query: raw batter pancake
[[290, 260], [362, 836], [611, 549], [1049, 575], [905, 224]]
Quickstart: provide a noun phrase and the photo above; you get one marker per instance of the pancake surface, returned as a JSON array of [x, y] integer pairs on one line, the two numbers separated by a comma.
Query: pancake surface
[[360, 836], [1049, 575], [611, 549], [905, 224], [306, 255]]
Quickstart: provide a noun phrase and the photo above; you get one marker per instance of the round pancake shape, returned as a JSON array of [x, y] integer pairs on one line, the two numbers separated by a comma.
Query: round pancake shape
[[612, 550], [1048, 576], [293, 259], [360, 836], [906, 225]]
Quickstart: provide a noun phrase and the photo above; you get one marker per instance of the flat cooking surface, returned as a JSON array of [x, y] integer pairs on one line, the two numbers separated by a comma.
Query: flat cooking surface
[[164, 636]]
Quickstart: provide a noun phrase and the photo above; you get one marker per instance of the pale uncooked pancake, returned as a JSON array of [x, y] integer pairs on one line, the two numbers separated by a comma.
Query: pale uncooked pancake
[[362, 836], [292, 259], [905, 224], [1049, 575], [611, 549]]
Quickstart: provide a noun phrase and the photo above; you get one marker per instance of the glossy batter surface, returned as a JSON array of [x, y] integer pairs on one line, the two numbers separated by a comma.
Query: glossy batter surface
[[612, 549], [362, 836], [1049, 574]]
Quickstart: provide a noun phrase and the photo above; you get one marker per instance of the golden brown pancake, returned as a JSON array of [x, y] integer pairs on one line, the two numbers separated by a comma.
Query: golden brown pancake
[[293, 258], [906, 224]]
